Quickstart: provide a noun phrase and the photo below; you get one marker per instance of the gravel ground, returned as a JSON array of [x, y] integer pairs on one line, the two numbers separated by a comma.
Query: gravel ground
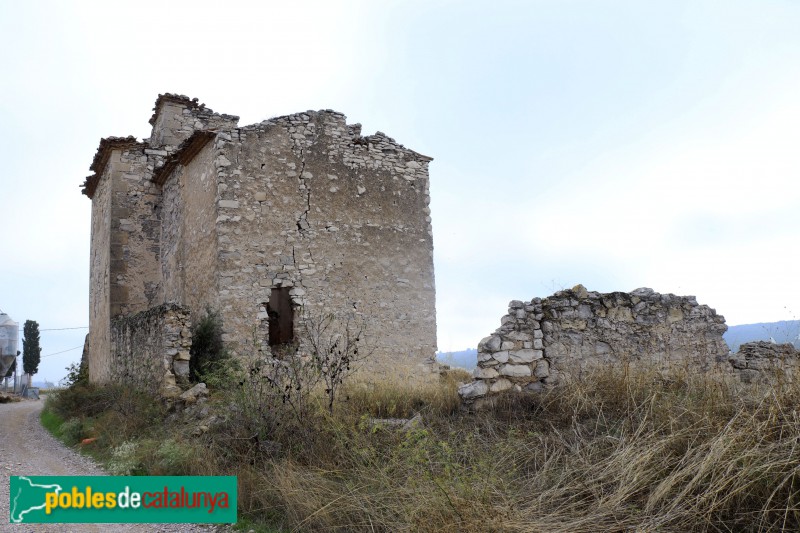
[[26, 448]]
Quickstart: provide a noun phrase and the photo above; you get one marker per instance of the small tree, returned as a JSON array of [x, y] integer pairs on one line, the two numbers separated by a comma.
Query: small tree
[[336, 347], [31, 351], [276, 390]]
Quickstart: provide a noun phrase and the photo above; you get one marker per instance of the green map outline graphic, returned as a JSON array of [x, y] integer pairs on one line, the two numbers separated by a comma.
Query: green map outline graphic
[[20, 516]]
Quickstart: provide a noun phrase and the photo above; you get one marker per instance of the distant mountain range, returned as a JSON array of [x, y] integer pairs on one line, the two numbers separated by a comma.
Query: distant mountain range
[[40, 384], [467, 359], [780, 332]]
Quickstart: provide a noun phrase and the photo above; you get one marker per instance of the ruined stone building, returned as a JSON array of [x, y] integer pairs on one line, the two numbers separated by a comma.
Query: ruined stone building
[[546, 340], [256, 223]]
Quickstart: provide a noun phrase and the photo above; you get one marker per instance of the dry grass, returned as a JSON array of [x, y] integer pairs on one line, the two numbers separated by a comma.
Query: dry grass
[[687, 455], [392, 399], [628, 451], [615, 451]]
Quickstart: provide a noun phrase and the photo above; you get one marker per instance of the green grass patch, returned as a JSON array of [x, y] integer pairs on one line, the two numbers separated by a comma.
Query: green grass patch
[[51, 421]]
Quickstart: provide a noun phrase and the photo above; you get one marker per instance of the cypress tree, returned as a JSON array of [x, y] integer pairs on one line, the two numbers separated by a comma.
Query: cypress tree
[[31, 351]]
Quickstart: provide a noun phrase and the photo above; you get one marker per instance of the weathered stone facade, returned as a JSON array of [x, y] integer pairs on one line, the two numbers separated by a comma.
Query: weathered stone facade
[[547, 340], [762, 362], [206, 214], [151, 349]]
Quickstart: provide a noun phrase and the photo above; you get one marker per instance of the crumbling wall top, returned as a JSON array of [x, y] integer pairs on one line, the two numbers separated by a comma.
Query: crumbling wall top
[[766, 350], [378, 141], [106, 146], [189, 103], [205, 123], [182, 99], [761, 362], [176, 117]]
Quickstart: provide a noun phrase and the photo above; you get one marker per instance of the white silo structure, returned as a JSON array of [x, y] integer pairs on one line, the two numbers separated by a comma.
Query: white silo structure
[[9, 339]]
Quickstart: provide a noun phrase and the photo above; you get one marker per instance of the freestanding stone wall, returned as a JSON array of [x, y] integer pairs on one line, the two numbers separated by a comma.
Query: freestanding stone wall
[[150, 350], [544, 341], [760, 362]]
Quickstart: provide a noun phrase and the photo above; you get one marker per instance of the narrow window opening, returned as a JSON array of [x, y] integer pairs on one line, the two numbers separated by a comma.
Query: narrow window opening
[[281, 317]]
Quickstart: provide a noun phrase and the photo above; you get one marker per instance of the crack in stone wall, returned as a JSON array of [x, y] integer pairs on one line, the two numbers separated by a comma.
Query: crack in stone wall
[[302, 221]]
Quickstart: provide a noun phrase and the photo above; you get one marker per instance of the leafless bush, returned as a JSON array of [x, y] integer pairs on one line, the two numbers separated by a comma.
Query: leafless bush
[[336, 346], [281, 391]]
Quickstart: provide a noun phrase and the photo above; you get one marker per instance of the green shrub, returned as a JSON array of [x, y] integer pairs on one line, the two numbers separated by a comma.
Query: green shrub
[[77, 374], [71, 431], [223, 374], [114, 413], [173, 458], [124, 459], [87, 399], [207, 353]]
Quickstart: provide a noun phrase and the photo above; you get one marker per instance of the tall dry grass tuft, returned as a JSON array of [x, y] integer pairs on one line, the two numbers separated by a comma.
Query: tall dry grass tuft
[[643, 451], [393, 399]]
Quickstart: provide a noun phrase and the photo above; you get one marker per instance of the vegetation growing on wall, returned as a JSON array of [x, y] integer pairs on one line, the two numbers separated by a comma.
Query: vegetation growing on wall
[[208, 351]]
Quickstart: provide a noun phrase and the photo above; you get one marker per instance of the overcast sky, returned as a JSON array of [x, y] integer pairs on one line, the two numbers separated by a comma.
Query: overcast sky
[[617, 144]]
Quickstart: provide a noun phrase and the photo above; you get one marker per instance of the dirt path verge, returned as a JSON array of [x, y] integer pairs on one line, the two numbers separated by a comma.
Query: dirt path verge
[[26, 448]]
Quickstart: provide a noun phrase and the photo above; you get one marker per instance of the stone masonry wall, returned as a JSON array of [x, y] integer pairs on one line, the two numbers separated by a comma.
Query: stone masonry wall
[[99, 280], [150, 350], [127, 203], [189, 235], [544, 341], [305, 202], [762, 362], [207, 214], [135, 233], [126, 231]]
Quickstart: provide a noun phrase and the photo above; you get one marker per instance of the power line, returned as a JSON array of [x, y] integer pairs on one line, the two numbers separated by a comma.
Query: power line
[[63, 351], [62, 329]]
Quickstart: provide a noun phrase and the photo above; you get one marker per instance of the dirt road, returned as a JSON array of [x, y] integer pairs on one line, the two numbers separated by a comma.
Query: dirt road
[[26, 448]]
